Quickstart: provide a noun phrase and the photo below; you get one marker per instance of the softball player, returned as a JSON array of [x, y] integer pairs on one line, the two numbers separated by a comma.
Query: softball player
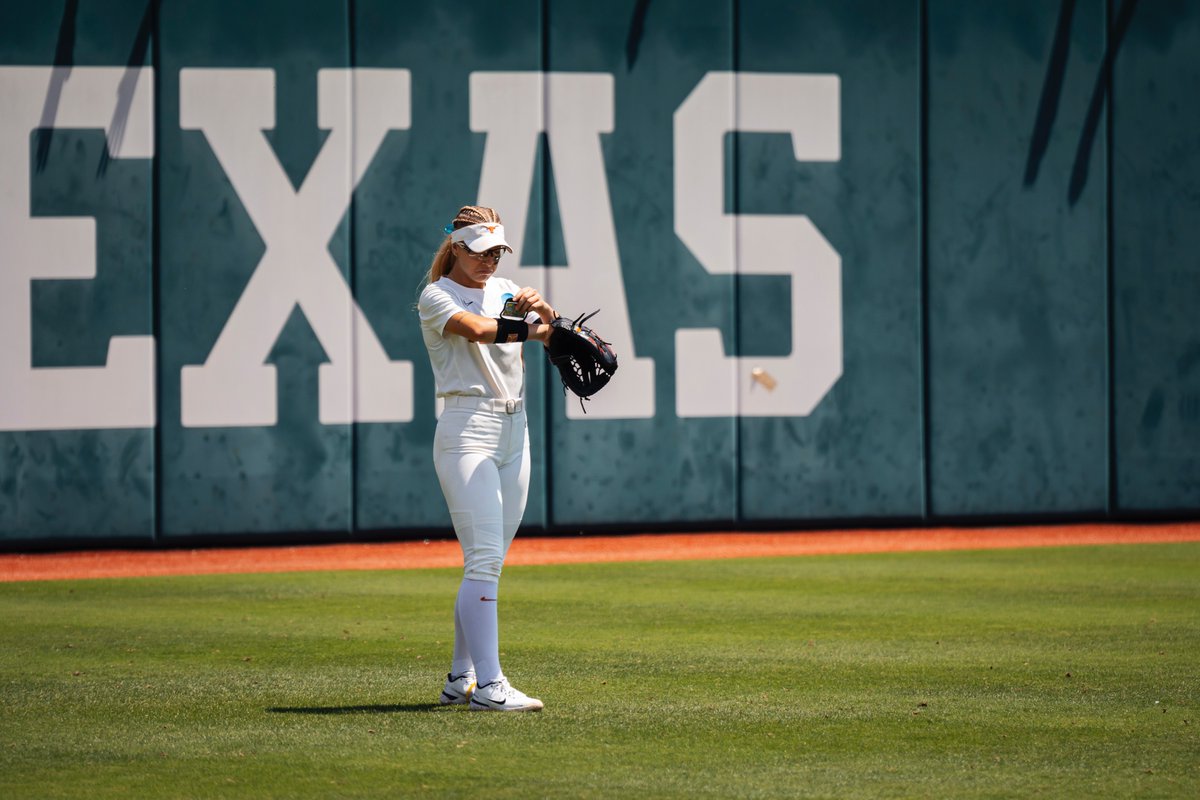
[[474, 323]]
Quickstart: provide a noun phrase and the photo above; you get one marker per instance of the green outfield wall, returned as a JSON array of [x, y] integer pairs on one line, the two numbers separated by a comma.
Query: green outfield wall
[[863, 261]]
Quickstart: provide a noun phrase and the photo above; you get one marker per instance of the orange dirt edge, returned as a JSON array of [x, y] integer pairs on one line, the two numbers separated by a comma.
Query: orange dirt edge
[[568, 550]]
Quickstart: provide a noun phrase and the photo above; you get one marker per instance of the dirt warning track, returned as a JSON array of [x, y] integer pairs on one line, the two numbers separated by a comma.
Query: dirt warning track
[[576, 549]]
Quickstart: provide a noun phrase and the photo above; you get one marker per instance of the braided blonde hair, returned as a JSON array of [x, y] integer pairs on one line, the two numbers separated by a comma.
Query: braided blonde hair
[[443, 259]]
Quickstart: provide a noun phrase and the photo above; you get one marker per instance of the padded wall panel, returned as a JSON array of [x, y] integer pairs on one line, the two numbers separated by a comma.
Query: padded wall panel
[[858, 452], [83, 479], [644, 463], [1156, 269], [234, 461], [417, 181], [736, 186], [1017, 262]]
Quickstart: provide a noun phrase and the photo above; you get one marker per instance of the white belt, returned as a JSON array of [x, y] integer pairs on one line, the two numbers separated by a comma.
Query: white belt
[[496, 406]]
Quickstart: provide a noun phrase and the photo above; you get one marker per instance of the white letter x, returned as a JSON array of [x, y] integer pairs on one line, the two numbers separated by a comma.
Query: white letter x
[[235, 386]]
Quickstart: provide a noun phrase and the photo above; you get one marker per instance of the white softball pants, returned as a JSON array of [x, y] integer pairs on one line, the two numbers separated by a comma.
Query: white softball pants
[[482, 462]]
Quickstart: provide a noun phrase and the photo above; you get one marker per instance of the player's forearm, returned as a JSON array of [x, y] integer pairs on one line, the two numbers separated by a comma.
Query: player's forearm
[[539, 332], [472, 327], [483, 330]]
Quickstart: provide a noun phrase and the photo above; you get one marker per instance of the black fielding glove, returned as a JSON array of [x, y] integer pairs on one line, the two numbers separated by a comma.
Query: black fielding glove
[[585, 362]]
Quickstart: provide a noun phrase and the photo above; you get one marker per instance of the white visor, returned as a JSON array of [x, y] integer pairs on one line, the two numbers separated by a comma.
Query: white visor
[[481, 237]]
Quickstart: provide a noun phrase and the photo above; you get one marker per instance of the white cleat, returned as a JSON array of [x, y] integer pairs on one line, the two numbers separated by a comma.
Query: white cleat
[[458, 689], [499, 695]]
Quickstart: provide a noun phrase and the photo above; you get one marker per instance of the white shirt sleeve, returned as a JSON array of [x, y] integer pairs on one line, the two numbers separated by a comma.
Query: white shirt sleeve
[[436, 307]]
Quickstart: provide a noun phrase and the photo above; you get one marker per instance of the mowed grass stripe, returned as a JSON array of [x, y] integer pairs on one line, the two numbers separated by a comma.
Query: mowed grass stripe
[[1043, 672]]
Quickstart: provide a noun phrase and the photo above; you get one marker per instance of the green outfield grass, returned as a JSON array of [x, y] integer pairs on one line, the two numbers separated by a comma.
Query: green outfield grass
[[1069, 672]]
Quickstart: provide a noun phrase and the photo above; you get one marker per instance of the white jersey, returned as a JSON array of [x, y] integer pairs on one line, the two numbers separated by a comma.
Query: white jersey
[[463, 367]]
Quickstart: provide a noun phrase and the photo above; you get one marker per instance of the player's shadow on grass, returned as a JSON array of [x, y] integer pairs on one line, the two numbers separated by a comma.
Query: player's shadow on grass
[[390, 709]]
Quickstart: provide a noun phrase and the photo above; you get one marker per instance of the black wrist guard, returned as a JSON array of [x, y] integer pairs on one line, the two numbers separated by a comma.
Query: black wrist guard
[[511, 330]]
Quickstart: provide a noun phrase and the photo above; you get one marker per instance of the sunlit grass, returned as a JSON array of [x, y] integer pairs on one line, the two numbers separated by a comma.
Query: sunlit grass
[[1052, 672]]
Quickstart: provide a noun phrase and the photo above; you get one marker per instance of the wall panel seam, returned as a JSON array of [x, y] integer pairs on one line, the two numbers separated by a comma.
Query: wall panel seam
[[156, 270], [923, 250], [1110, 360]]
